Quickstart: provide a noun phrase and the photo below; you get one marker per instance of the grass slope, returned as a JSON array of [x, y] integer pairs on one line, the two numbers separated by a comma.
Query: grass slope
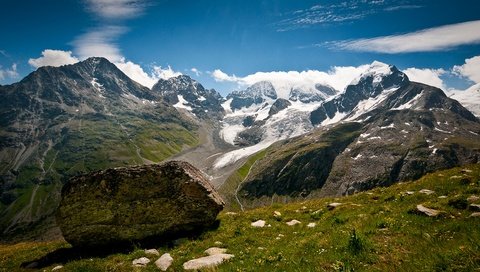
[[372, 231]]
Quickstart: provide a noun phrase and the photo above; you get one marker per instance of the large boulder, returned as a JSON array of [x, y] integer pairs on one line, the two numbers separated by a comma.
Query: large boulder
[[137, 204]]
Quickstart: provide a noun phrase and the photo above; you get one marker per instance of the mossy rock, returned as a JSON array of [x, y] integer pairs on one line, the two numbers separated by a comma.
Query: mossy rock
[[137, 204]]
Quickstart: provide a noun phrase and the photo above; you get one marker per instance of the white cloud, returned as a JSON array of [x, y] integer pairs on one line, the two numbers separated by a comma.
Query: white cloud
[[470, 70], [52, 57], [196, 71], [136, 72], [165, 73], [220, 76], [9, 72], [427, 76], [99, 43], [432, 39], [284, 81], [116, 9]]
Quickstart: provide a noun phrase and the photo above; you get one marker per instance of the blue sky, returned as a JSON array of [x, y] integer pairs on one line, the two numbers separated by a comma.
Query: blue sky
[[224, 44]]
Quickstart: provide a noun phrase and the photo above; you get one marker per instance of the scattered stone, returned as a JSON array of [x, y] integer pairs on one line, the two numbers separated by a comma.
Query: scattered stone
[[164, 262], [475, 214], [277, 214], [281, 235], [152, 252], [258, 224], [427, 211], [304, 207], [206, 262], [231, 213], [141, 262], [409, 192], [293, 222], [311, 225], [109, 207], [426, 191], [473, 198], [58, 267], [333, 205], [466, 171], [218, 243], [455, 177], [260, 248], [474, 207], [442, 197], [215, 250]]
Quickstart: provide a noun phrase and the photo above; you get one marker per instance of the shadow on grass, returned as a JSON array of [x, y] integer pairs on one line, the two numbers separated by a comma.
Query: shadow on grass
[[66, 255]]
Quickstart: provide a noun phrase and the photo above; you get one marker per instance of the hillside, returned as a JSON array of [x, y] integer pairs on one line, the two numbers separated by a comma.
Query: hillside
[[61, 121], [377, 230]]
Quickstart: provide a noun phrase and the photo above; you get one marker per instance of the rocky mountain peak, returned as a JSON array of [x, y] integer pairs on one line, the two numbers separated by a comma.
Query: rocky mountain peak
[[363, 94], [262, 88], [186, 93], [176, 84]]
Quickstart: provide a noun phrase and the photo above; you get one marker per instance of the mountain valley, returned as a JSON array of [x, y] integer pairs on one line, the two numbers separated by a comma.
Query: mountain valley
[[258, 146]]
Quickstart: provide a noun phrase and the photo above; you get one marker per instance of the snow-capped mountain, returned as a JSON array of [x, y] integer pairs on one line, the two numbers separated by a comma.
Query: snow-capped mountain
[[470, 98], [414, 130], [261, 115], [183, 92], [381, 88], [362, 95]]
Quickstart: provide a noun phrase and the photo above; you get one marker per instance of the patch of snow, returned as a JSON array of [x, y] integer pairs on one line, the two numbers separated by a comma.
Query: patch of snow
[[443, 131], [357, 157], [226, 106], [408, 124], [404, 131], [201, 98], [364, 135], [99, 87], [474, 133], [182, 103], [410, 103], [367, 105], [375, 138], [235, 155], [336, 118], [392, 125], [230, 132]]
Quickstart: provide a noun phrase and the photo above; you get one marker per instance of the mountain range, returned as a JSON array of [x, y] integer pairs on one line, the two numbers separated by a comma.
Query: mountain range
[[258, 145]]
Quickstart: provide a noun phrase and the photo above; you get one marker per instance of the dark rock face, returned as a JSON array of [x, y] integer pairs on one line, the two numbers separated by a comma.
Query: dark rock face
[[279, 105], [125, 205]]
